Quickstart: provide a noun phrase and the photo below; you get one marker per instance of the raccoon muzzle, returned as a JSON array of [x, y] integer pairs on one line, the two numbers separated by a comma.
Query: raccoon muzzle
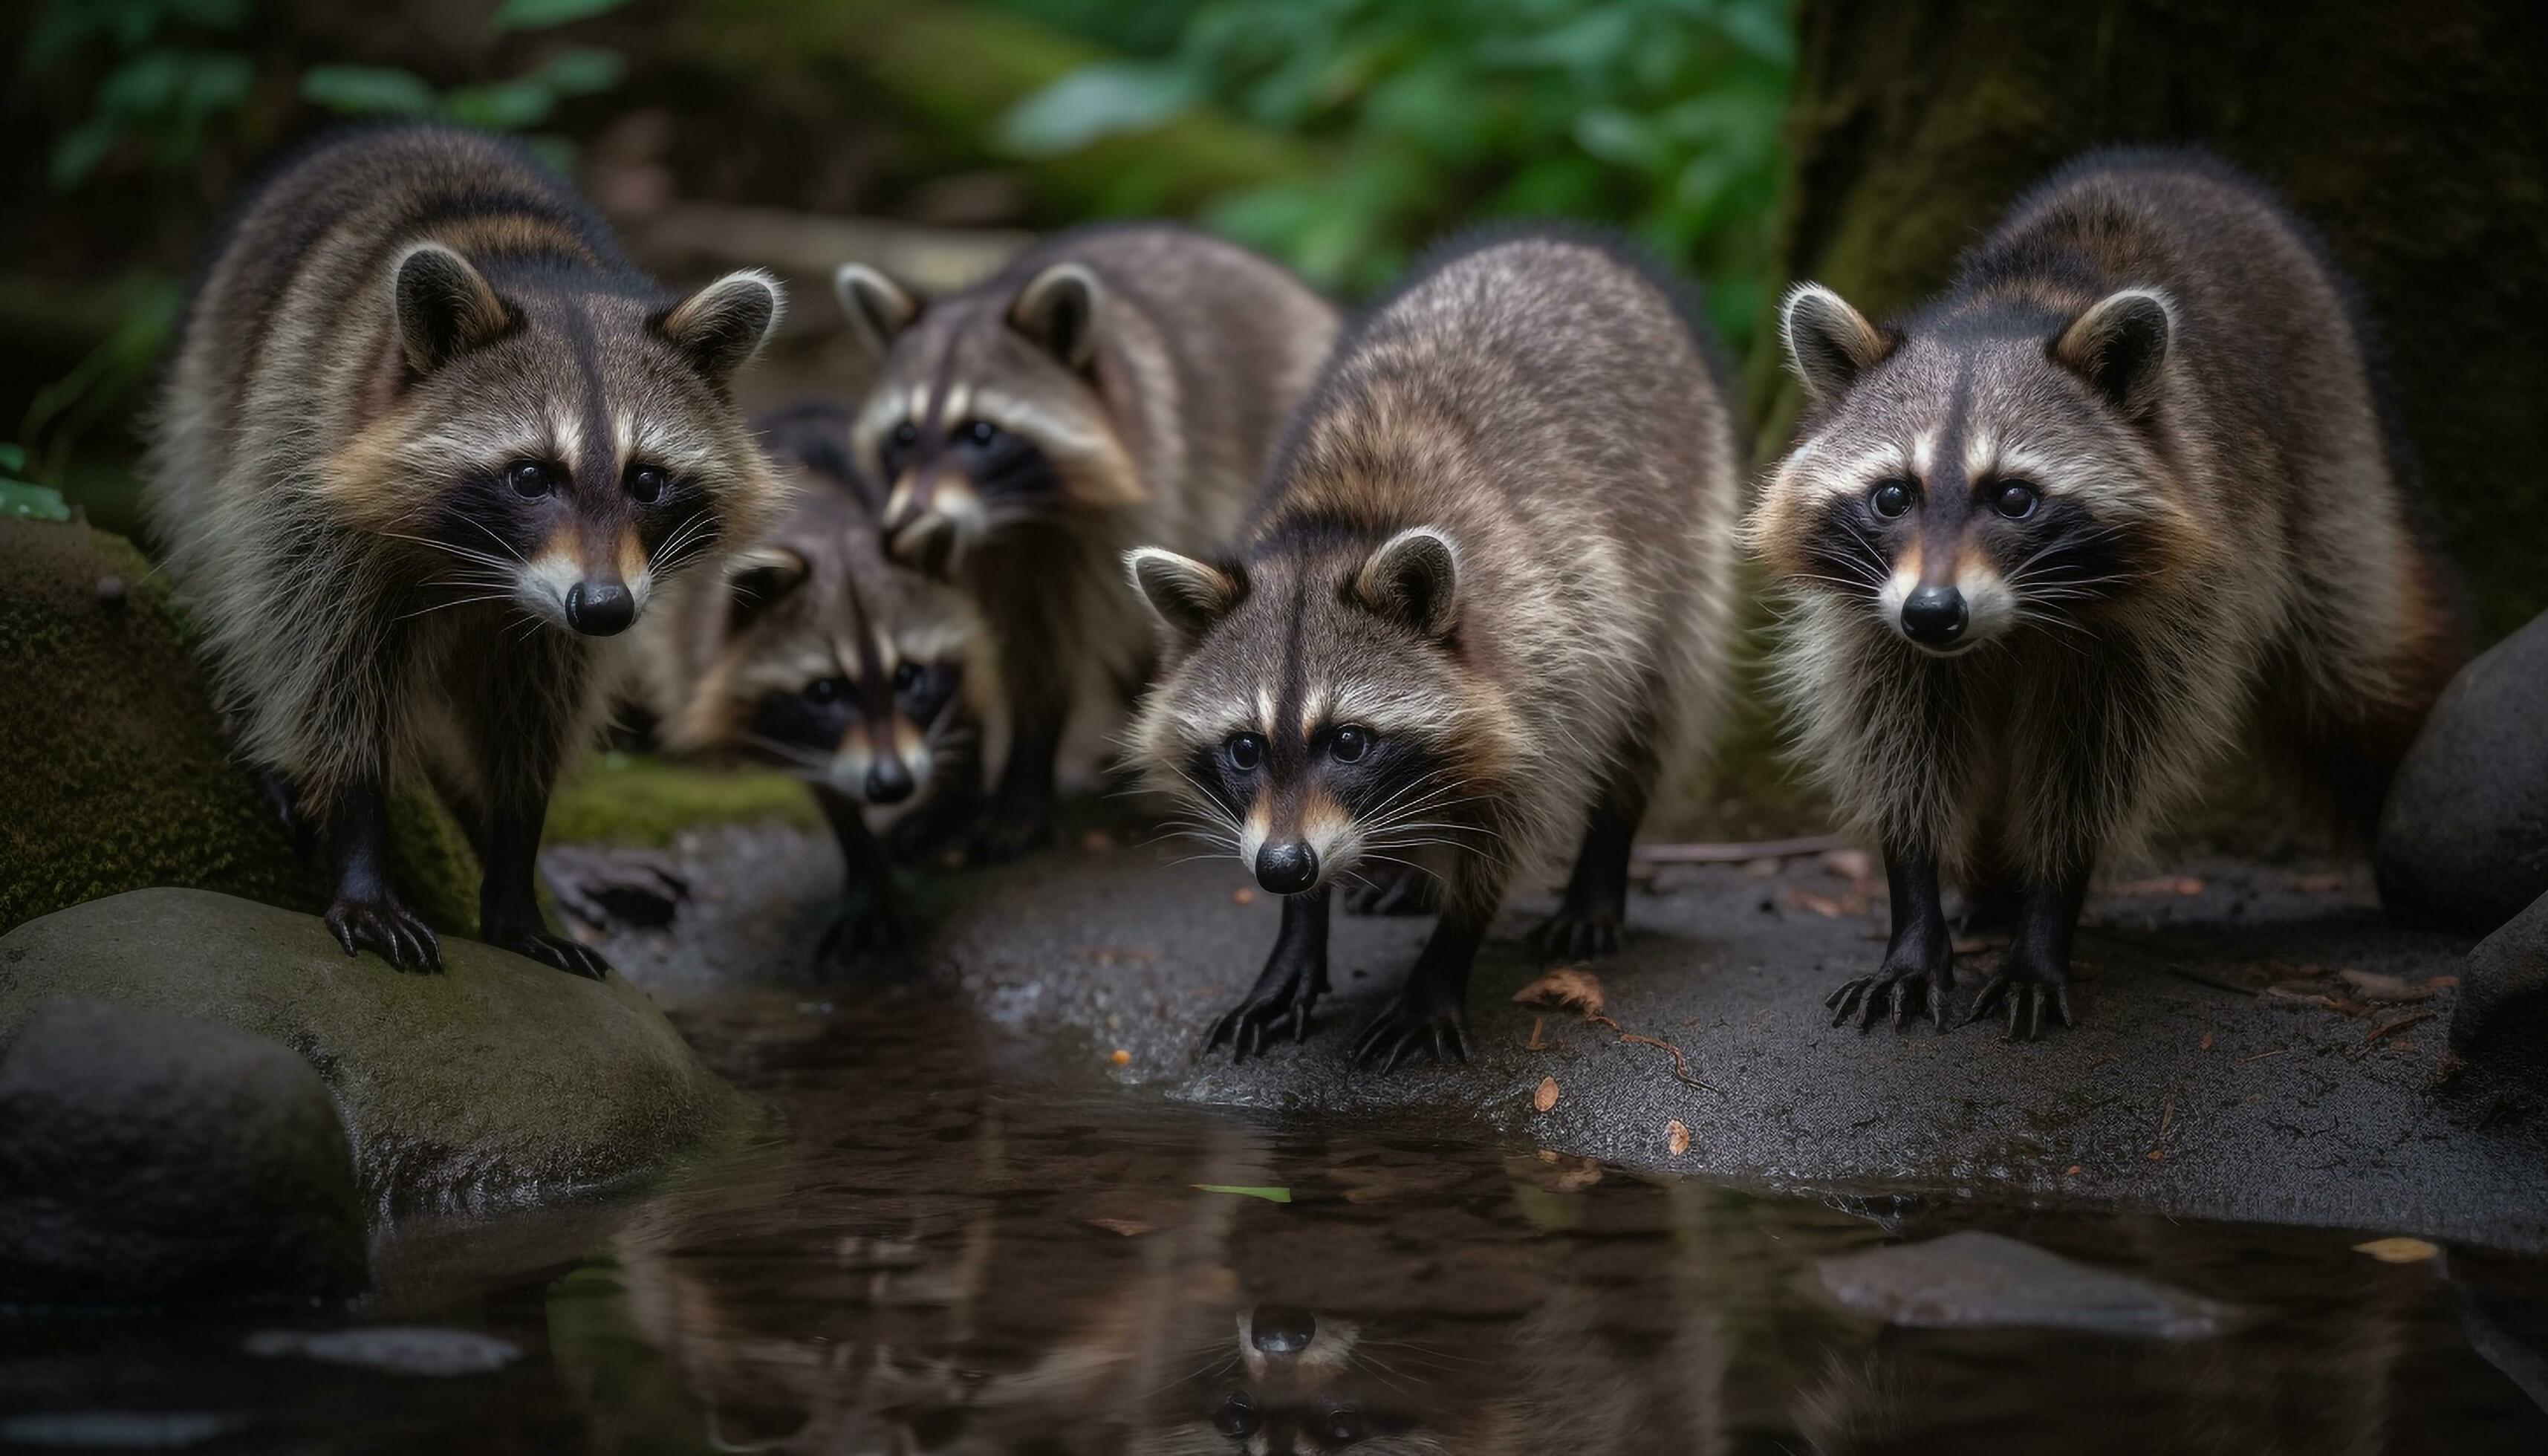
[[600, 608]]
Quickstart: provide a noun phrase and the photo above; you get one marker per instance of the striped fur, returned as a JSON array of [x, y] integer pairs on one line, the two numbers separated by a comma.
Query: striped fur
[[2154, 364], [403, 332], [1112, 388], [814, 651], [1496, 543]]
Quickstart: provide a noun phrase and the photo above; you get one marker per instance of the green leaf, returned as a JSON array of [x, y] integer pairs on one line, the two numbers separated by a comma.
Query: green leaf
[[13, 457], [541, 15], [501, 105], [79, 150], [1270, 1195], [1090, 104], [20, 500], [584, 70], [367, 90]]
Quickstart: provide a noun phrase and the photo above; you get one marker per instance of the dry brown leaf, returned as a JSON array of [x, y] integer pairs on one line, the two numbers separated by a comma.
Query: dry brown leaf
[[2400, 1025], [1821, 905], [2399, 1250], [2371, 985], [2205, 1043], [1534, 1043], [2071, 1171], [2161, 885], [1676, 1137], [1570, 987], [1545, 1096], [1243, 895]]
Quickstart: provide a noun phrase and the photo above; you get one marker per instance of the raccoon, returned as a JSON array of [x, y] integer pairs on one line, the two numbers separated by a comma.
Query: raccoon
[[1112, 388], [1484, 596], [2055, 538], [427, 440], [816, 652]]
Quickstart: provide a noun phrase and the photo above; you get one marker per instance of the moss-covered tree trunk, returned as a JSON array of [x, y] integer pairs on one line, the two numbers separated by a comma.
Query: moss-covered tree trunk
[[2415, 137]]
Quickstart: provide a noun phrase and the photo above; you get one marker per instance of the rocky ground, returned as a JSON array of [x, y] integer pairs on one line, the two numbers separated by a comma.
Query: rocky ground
[[2256, 1043]]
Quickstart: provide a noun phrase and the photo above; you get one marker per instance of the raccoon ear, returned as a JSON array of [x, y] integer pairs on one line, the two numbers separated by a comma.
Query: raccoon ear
[[879, 307], [1413, 579], [1829, 343], [2118, 346], [445, 306], [1057, 309], [1187, 594], [755, 580], [725, 324]]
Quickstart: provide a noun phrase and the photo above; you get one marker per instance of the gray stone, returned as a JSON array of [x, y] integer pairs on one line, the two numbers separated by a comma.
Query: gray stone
[[2501, 1023], [2464, 837], [496, 1083], [1973, 1279], [149, 1159]]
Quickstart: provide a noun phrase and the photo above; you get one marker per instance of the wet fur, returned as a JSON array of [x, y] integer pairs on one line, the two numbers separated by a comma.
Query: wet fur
[[2225, 550], [330, 503], [1196, 351], [1542, 403]]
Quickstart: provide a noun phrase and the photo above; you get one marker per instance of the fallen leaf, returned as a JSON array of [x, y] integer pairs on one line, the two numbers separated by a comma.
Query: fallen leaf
[[2071, 1171], [2398, 1250], [2322, 882], [1128, 1228], [2158, 1155], [1120, 1057], [2400, 1025], [1545, 1097], [2371, 985], [2205, 1043], [1821, 905], [1534, 1043], [1676, 1137], [1570, 987], [1270, 1195], [2164, 885], [1243, 895]]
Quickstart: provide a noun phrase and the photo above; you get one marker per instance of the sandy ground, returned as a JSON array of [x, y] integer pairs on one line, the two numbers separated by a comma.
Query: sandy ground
[[2191, 1087]]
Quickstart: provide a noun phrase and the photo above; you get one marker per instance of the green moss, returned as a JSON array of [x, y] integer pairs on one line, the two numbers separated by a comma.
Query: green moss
[[113, 770], [633, 799]]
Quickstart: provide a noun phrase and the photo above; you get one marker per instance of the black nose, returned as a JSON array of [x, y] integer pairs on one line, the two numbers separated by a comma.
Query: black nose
[[1287, 869], [600, 608], [888, 782], [1934, 615], [1278, 1329]]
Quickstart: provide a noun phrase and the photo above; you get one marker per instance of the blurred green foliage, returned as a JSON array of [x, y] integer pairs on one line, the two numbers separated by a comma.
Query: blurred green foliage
[[1658, 117], [175, 71]]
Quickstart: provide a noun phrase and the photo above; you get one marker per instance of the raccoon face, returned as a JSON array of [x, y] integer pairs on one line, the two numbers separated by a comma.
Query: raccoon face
[[1981, 474], [564, 448], [1301, 1383], [1313, 711], [850, 692], [987, 415]]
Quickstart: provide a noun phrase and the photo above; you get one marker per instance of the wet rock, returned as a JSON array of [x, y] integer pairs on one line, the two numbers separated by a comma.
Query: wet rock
[[610, 888], [1975, 1278], [2464, 837], [149, 1158], [496, 1083], [2501, 1023], [394, 1349]]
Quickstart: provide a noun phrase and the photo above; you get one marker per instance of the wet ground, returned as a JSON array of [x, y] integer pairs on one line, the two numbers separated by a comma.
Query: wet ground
[[2235, 1059], [965, 1243]]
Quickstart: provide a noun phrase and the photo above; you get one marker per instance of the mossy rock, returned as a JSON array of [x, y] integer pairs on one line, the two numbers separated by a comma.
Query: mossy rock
[[643, 801], [496, 1083], [115, 774]]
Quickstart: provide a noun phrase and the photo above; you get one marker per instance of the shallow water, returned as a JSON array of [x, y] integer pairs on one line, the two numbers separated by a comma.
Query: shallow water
[[956, 1247]]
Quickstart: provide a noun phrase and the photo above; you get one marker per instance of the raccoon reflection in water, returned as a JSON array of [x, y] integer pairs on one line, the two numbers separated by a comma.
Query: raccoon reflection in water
[[1484, 601]]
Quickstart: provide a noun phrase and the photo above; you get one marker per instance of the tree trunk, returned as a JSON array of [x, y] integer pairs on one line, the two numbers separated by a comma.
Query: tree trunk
[[2414, 136]]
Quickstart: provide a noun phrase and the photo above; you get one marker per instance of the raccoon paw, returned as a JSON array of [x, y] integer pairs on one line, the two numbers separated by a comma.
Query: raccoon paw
[[388, 927], [1257, 1023], [1392, 889], [2026, 993], [1902, 989], [864, 928], [1579, 937], [559, 953], [1413, 1025]]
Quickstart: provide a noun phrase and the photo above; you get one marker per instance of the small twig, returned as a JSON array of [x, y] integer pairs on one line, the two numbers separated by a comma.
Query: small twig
[[1738, 854], [2261, 1056], [1681, 1064], [2214, 981], [1534, 1043], [2166, 1114], [2400, 1025]]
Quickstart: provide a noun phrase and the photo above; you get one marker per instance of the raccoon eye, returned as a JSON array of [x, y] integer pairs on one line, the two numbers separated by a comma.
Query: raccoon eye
[[646, 484], [825, 689], [981, 433], [2016, 499], [1235, 1417], [1350, 744], [1891, 499], [906, 678], [1247, 751], [906, 436], [529, 478]]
